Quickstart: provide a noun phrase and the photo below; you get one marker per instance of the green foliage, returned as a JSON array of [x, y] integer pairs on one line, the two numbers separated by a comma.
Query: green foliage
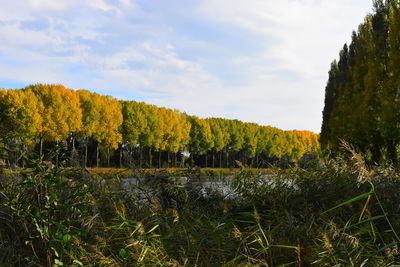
[[90, 105], [340, 213], [200, 136], [108, 133], [45, 209], [362, 93], [42, 116], [134, 124]]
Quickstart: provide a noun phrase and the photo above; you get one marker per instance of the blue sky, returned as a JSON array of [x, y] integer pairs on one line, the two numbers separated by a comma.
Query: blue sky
[[263, 61]]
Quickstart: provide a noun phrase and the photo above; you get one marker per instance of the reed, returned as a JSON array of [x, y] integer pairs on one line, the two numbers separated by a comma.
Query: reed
[[338, 213]]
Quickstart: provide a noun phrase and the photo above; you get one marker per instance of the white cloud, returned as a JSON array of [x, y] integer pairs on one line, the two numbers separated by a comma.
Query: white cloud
[[160, 71], [303, 35], [299, 39], [50, 5], [102, 5], [128, 3], [104, 46]]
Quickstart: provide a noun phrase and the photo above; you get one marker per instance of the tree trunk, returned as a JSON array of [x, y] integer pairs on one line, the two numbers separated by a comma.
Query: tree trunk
[[23, 161], [213, 159], [120, 156], [175, 159], [58, 151], [97, 155], [257, 160], [150, 159], [206, 160], [159, 159], [108, 157], [40, 147], [220, 159], [140, 157], [86, 152], [73, 150], [183, 162]]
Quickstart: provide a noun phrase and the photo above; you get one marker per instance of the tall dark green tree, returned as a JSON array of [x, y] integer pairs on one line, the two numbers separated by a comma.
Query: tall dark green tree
[[362, 92]]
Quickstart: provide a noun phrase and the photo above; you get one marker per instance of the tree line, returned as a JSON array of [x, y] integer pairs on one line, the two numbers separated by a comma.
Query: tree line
[[362, 104], [95, 130]]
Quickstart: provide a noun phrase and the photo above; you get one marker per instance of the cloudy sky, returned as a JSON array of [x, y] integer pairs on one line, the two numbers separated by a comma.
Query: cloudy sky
[[263, 61]]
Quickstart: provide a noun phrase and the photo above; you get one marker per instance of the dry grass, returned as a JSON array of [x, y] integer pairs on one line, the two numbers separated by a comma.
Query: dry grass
[[318, 216]]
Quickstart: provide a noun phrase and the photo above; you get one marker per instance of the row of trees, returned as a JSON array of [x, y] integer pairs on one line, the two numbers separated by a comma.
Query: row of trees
[[362, 99], [96, 130]]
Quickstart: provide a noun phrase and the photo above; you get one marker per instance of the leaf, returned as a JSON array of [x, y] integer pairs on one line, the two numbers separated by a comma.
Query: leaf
[[66, 238], [365, 207], [123, 253], [348, 202], [55, 251], [58, 263], [37, 214], [78, 262], [152, 229]]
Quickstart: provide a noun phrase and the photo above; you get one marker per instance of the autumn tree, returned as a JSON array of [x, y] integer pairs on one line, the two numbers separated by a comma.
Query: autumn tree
[[91, 106], [61, 113], [200, 137], [53, 113], [108, 132], [134, 126], [20, 120], [218, 138]]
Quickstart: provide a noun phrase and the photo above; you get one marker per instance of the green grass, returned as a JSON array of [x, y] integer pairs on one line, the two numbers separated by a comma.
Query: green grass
[[341, 213]]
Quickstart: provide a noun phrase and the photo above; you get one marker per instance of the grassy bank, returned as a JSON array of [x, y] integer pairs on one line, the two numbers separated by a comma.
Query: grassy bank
[[341, 213], [111, 173], [154, 172]]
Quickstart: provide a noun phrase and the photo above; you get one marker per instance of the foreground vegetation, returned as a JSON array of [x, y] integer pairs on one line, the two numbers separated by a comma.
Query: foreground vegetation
[[334, 213]]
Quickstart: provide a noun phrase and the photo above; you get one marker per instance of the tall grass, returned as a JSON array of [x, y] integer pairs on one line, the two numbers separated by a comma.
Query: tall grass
[[338, 213]]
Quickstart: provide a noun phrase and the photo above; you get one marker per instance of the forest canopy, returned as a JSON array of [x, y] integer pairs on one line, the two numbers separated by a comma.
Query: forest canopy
[[98, 130]]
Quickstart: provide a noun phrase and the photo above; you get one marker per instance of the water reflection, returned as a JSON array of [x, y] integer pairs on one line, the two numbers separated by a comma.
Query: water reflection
[[226, 186]]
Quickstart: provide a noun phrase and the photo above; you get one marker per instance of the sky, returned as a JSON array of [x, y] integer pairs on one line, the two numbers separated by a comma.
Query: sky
[[262, 61]]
